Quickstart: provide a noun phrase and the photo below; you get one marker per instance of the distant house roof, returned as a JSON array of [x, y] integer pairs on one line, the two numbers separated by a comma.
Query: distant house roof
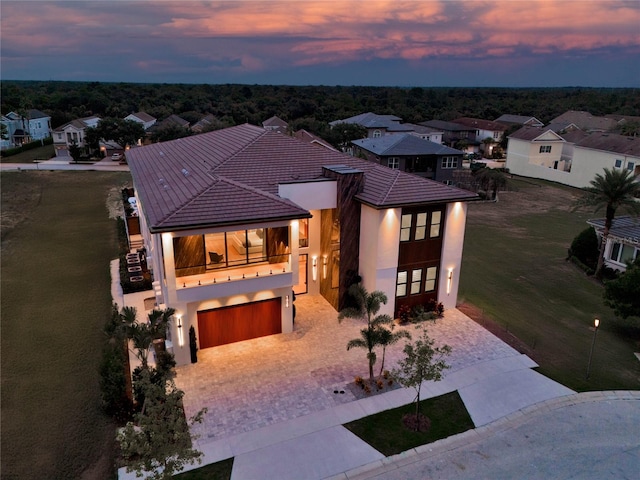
[[33, 114], [144, 117], [423, 129], [171, 121], [309, 137], [371, 120], [231, 176], [624, 227], [624, 118], [481, 124], [79, 123], [585, 121], [519, 120], [611, 142], [204, 123], [531, 133], [404, 144], [275, 123], [446, 126]]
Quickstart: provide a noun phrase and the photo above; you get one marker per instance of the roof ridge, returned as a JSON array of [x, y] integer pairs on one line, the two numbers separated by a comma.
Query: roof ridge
[[397, 176], [242, 149]]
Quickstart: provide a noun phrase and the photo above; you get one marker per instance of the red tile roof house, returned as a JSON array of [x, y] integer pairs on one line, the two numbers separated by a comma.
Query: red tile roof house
[[236, 220]]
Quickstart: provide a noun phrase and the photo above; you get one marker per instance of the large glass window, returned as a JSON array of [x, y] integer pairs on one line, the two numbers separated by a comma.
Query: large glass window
[[449, 162], [401, 284], [623, 253], [545, 148], [304, 233], [393, 162]]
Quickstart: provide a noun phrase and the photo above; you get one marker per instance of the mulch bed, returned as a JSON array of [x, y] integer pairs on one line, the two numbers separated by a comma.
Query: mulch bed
[[359, 391]]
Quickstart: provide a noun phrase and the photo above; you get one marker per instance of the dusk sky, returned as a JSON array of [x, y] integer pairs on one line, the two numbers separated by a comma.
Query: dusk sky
[[509, 43]]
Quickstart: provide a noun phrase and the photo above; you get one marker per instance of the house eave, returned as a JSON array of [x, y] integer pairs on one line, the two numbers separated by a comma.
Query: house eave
[[232, 223]]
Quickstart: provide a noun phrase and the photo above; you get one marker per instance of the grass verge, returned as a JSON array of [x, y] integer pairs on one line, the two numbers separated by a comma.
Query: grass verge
[[41, 153], [214, 471], [386, 433], [55, 301], [514, 270]]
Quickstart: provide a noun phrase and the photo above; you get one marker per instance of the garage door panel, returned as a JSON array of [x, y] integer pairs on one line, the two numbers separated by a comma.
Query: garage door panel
[[241, 322]]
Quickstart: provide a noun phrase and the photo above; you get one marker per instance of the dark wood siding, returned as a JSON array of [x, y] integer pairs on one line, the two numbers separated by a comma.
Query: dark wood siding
[[241, 322]]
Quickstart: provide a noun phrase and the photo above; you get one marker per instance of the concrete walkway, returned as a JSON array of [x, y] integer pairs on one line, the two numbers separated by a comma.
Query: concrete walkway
[[272, 401]]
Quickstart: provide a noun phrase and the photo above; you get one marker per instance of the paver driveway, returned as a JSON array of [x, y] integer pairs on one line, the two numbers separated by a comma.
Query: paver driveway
[[255, 383]]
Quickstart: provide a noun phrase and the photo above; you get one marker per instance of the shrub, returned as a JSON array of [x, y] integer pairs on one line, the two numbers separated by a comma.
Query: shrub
[[115, 401], [404, 313], [359, 381], [585, 248]]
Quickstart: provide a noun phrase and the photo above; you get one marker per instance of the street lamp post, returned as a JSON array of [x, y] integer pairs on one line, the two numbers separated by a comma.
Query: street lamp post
[[596, 324]]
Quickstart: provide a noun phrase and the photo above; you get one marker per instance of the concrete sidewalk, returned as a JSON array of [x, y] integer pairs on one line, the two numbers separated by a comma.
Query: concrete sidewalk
[[316, 446]]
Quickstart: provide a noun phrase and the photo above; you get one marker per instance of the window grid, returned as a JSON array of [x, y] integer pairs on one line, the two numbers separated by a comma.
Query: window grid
[[401, 284], [416, 281], [405, 228], [421, 226], [393, 162], [436, 220], [430, 279], [545, 148]]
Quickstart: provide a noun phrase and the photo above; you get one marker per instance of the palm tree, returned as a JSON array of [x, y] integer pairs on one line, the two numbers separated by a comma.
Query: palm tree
[[367, 305], [615, 189], [389, 337]]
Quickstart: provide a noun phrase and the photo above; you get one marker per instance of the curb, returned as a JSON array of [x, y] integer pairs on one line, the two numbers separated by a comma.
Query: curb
[[454, 442]]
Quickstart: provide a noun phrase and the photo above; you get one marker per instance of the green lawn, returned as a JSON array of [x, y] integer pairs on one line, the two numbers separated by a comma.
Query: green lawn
[[41, 153], [514, 269], [386, 433], [214, 471], [55, 300]]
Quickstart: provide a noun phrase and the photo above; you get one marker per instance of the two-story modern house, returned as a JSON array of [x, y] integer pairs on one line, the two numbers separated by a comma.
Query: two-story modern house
[[488, 133], [412, 154], [456, 135], [235, 221]]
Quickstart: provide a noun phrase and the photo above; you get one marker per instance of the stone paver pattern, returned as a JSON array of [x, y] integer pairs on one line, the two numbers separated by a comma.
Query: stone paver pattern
[[252, 384]]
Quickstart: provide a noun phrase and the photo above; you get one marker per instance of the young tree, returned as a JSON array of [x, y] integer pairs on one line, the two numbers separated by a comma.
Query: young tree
[[422, 362], [615, 189], [75, 151], [341, 134], [123, 132], [158, 442], [367, 305], [623, 293]]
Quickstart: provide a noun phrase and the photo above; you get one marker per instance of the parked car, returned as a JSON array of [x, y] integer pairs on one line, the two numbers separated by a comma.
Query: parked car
[[116, 157]]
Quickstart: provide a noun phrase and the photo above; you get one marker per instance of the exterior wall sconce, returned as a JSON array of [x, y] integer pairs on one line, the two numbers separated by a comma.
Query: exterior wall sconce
[[180, 334], [449, 281], [315, 269], [286, 301], [324, 267]]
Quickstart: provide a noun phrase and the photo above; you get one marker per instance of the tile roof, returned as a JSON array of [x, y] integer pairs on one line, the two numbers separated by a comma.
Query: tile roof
[[373, 120], [404, 144], [446, 126], [518, 119], [274, 122], [145, 117], [531, 133], [231, 176], [611, 142], [480, 123], [624, 227], [309, 137], [585, 121], [34, 113]]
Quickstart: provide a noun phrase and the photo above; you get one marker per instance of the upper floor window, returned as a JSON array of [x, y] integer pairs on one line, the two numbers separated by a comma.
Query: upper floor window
[[436, 220], [430, 279], [545, 148], [630, 166], [401, 284], [421, 226], [393, 162], [377, 134], [496, 135], [303, 237], [618, 163], [405, 227], [449, 162], [464, 134]]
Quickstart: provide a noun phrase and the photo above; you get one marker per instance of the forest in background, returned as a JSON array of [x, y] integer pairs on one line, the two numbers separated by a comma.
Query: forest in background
[[309, 107]]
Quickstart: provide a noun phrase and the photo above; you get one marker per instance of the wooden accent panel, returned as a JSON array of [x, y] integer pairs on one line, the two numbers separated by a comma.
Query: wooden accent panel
[[189, 256], [241, 322]]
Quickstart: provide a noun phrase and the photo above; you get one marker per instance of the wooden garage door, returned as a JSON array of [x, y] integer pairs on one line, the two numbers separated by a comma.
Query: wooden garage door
[[241, 322]]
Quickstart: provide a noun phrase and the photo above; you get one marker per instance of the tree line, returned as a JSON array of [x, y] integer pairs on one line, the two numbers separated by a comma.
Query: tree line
[[309, 107]]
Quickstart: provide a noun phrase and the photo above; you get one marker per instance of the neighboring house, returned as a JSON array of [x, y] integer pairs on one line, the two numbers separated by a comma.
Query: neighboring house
[[144, 119], [484, 129], [309, 137], [237, 220], [573, 158], [377, 125], [36, 125], [456, 135], [623, 241], [276, 124], [426, 133], [171, 121], [204, 124], [412, 154], [585, 121], [522, 120], [72, 132]]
